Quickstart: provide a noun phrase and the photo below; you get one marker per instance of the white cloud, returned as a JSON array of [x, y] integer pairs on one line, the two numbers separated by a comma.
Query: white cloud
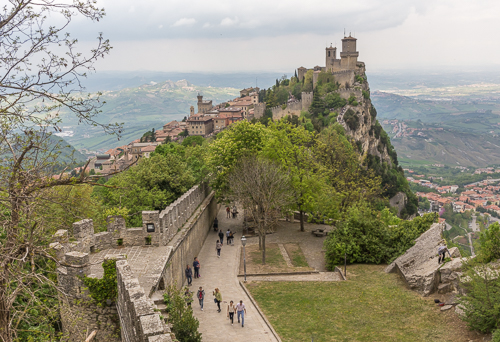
[[131, 9], [184, 22], [206, 25], [229, 22], [160, 26]]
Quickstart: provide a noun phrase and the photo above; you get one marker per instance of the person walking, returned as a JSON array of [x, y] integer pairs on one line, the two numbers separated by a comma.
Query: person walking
[[196, 266], [235, 211], [201, 296], [189, 274], [221, 236], [231, 237], [218, 298], [230, 311], [442, 253], [216, 224], [228, 212], [218, 247], [227, 236], [188, 297], [241, 310]]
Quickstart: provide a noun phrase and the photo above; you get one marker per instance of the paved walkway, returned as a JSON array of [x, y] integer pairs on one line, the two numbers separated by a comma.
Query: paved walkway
[[221, 272]]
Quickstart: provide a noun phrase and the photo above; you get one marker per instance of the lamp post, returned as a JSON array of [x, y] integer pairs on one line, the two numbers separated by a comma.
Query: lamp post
[[244, 242]]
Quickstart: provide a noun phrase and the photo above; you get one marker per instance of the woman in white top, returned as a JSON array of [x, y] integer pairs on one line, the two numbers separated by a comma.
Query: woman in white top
[[230, 311]]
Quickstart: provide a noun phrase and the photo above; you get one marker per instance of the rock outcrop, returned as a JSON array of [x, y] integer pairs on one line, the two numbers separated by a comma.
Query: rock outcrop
[[419, 265]]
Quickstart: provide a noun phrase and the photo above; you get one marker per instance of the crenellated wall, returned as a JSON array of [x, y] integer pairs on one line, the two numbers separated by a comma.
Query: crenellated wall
[[177, 232], [138, 319], [293, 108]]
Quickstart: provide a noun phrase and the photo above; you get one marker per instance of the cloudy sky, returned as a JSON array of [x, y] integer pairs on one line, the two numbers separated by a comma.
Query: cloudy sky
[[278, 35]]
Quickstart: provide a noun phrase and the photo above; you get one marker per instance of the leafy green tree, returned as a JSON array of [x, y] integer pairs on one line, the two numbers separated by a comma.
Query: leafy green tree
[[193, 140], [489, 241], [292, 148], [152, 184], [317, 106], [242, 139]]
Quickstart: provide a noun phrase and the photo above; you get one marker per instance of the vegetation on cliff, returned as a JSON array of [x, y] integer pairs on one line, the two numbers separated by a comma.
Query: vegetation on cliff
[[379, 156]]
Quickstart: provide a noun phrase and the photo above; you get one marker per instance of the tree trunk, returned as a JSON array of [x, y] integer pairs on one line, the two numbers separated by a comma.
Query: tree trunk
[[260, 241], [4, 315], [301, 221], [264, 248]]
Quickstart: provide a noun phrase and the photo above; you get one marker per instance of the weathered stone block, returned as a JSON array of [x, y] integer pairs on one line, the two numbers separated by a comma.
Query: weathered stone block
[[59, 250], [160, 338], [61, 236], [152, 325]]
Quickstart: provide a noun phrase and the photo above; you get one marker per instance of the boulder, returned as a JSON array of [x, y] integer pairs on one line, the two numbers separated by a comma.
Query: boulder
[[445, 288], [419, 265], [446, 307]]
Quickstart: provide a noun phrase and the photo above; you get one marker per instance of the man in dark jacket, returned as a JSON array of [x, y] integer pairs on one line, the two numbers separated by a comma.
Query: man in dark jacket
[[189, 274], [196, 266], [221, 236]]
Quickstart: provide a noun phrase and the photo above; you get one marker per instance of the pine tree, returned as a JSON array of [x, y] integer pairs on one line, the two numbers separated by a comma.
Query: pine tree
[[317, 105]]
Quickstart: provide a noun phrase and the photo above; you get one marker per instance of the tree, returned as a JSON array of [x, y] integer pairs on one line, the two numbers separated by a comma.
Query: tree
[[292, 148], [242, 139], [263, 188], [41, 72]]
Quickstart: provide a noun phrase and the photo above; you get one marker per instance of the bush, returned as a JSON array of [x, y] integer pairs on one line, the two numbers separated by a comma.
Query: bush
[[480, 305], [366, 94], [496, 336], [351, 119], [352, 100], [184, 324], [489, 241], [367, 236]]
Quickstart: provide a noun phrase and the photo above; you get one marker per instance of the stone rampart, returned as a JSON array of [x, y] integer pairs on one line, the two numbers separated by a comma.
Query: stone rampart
[[186, 245], [138, 319], [344, 77], [293, 108], [259, 110], [79, 314]]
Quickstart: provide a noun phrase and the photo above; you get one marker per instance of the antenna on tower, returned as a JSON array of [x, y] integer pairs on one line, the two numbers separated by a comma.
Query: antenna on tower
[[344, 32]]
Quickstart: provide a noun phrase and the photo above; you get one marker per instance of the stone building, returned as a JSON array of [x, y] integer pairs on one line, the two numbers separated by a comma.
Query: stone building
[[342, 68], [203, 106], [200, 124]]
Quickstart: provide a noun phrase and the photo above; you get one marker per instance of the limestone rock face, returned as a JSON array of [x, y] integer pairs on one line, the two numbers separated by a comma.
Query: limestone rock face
[[364, 133]]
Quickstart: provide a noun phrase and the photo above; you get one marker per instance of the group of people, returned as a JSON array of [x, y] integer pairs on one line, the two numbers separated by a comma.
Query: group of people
[[231, 211], [239, 308], [232, 308]]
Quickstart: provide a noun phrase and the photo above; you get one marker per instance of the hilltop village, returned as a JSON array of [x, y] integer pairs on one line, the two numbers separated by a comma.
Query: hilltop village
[[207, 119]]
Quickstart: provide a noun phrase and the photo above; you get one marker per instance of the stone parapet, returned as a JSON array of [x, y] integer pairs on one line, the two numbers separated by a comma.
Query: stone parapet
[[139, 321]]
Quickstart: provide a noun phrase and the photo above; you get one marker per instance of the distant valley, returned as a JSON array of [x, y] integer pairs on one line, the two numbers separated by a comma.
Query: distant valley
[[140, 109], [453, 125]]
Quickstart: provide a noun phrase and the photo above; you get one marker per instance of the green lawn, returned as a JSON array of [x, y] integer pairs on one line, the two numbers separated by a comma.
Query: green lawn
[[370, 306], [273, 256]]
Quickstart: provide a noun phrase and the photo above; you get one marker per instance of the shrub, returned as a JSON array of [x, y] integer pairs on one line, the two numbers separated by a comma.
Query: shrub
[[352, 100], [366, 94], [489, 241], [367, 236], [351, 119], [102, 289], [184, 324], [480, 305], [359, 78]]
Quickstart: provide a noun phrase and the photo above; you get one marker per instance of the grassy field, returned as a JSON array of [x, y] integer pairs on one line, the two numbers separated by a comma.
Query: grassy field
[[370, 306]]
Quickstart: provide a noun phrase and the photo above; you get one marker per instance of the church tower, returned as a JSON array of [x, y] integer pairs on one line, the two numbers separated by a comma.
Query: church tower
[[330, 57]]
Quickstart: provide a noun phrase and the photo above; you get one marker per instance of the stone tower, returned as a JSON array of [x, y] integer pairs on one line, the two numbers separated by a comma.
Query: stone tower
[[349, 55], [331, 61], [191, 111], [301, 73]]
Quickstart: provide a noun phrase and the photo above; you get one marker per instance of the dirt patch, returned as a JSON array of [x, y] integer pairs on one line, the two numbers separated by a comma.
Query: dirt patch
[[275, 263]]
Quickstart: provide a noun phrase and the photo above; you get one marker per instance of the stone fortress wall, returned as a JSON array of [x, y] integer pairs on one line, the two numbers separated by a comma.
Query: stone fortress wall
[[293, 108], [178, 232]]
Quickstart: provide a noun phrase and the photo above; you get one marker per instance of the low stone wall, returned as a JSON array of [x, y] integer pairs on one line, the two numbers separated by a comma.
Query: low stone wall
[[139, 321]]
